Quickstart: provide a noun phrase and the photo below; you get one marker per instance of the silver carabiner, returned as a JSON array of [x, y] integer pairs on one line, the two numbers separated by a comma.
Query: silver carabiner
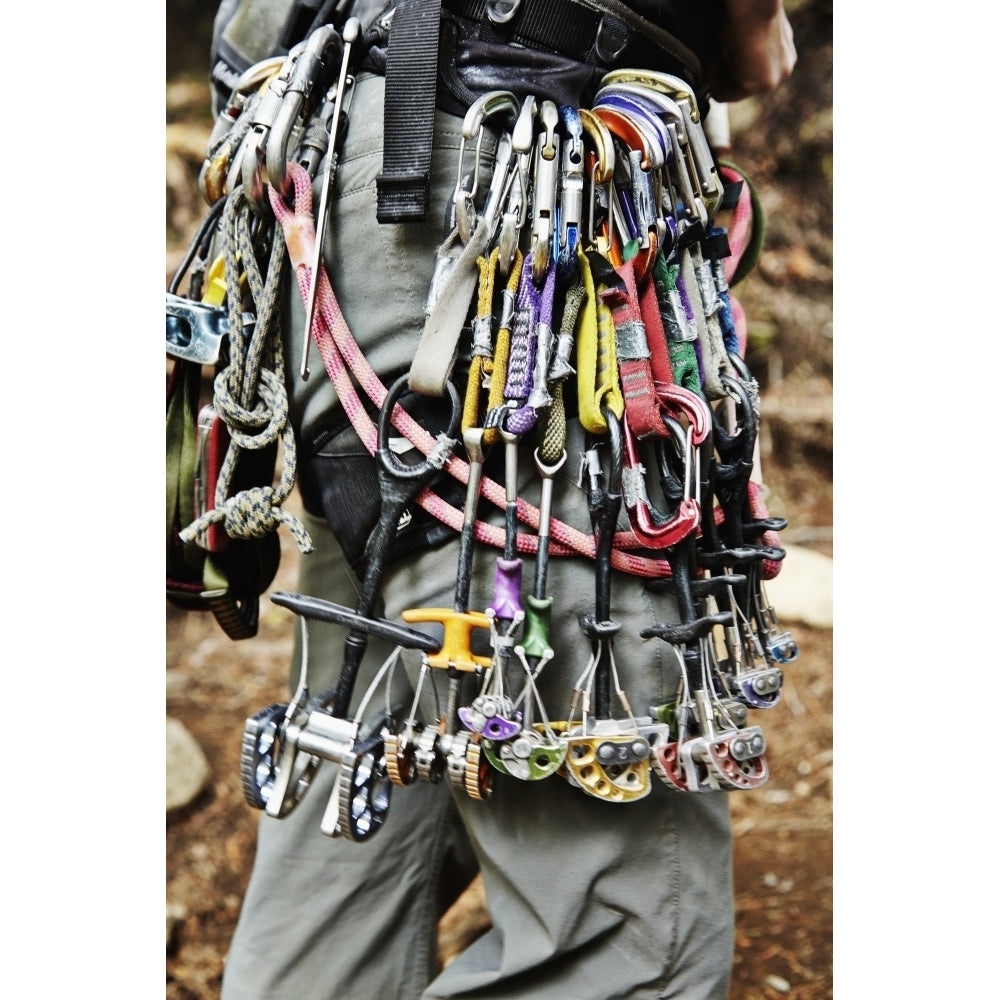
[[309, 64], [474, 126], [515, 208], [546, 184], [571, 178]]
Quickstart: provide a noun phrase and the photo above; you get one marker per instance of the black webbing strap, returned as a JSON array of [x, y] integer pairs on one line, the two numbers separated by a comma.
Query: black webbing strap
[[562, 26], [410, 90]]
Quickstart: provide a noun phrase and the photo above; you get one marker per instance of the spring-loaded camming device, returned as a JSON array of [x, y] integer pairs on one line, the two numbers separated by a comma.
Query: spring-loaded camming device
[[446, 747], [605, 758], [323, 729], [491, 711]]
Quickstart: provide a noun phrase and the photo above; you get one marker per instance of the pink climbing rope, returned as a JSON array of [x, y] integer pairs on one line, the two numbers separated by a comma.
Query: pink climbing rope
[[340, 351]]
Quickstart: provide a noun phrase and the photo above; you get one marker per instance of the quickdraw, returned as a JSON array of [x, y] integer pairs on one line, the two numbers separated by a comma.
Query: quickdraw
[[599, 231]]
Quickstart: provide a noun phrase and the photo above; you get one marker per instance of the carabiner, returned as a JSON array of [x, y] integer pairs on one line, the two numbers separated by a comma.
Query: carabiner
[[701, 161], [546, 182], [677, 399], [570, 211], [634, 133], [473, 126], [315, 54], [644, 115], [515, 209], [352, 31], [653, 528], [600, 167], [248, 163]]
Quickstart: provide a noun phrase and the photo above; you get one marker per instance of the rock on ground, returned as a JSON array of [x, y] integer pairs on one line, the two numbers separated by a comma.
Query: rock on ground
[[187, 766]]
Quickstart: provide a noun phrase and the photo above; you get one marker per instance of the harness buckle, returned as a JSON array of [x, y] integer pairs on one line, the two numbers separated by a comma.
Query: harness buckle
[[502, 11], [613, 36]]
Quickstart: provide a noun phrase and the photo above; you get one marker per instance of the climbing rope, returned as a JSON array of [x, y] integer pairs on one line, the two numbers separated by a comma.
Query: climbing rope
[[250, 392]]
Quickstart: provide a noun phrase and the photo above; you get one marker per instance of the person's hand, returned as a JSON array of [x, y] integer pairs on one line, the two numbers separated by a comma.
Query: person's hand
[[757, 49]]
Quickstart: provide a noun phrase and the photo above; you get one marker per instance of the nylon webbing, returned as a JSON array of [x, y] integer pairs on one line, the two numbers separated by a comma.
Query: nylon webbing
[[635, 370], [501, 355], [410, 92], [598, 385], [481, 365], [552, 420], [434, 357], [683, 359]]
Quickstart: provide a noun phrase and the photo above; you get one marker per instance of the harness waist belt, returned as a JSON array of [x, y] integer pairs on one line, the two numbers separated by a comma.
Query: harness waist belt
[[565, 27], [592, 32]]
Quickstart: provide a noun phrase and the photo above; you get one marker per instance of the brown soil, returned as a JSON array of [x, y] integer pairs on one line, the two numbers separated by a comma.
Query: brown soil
[[783, 852]]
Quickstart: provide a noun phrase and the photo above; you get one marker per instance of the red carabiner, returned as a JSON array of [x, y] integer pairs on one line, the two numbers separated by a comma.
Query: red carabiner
[[678, 400], [653, 529]]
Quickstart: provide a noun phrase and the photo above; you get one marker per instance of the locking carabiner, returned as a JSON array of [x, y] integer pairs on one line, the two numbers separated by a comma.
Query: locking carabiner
[[544, 190], [318, 52]]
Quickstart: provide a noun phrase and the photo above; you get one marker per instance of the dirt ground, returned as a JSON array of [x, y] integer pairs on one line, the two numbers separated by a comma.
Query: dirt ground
[[783, 832]]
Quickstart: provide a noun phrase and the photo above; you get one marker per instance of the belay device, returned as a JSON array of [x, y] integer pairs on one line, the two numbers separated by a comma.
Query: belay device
[[594, 272]]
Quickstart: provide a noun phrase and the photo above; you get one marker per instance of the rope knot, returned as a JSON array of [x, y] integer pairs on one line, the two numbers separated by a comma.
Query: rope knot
[[251, 513]]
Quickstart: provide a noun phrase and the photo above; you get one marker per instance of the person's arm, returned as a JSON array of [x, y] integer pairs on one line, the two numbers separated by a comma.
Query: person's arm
[[757, 49]]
